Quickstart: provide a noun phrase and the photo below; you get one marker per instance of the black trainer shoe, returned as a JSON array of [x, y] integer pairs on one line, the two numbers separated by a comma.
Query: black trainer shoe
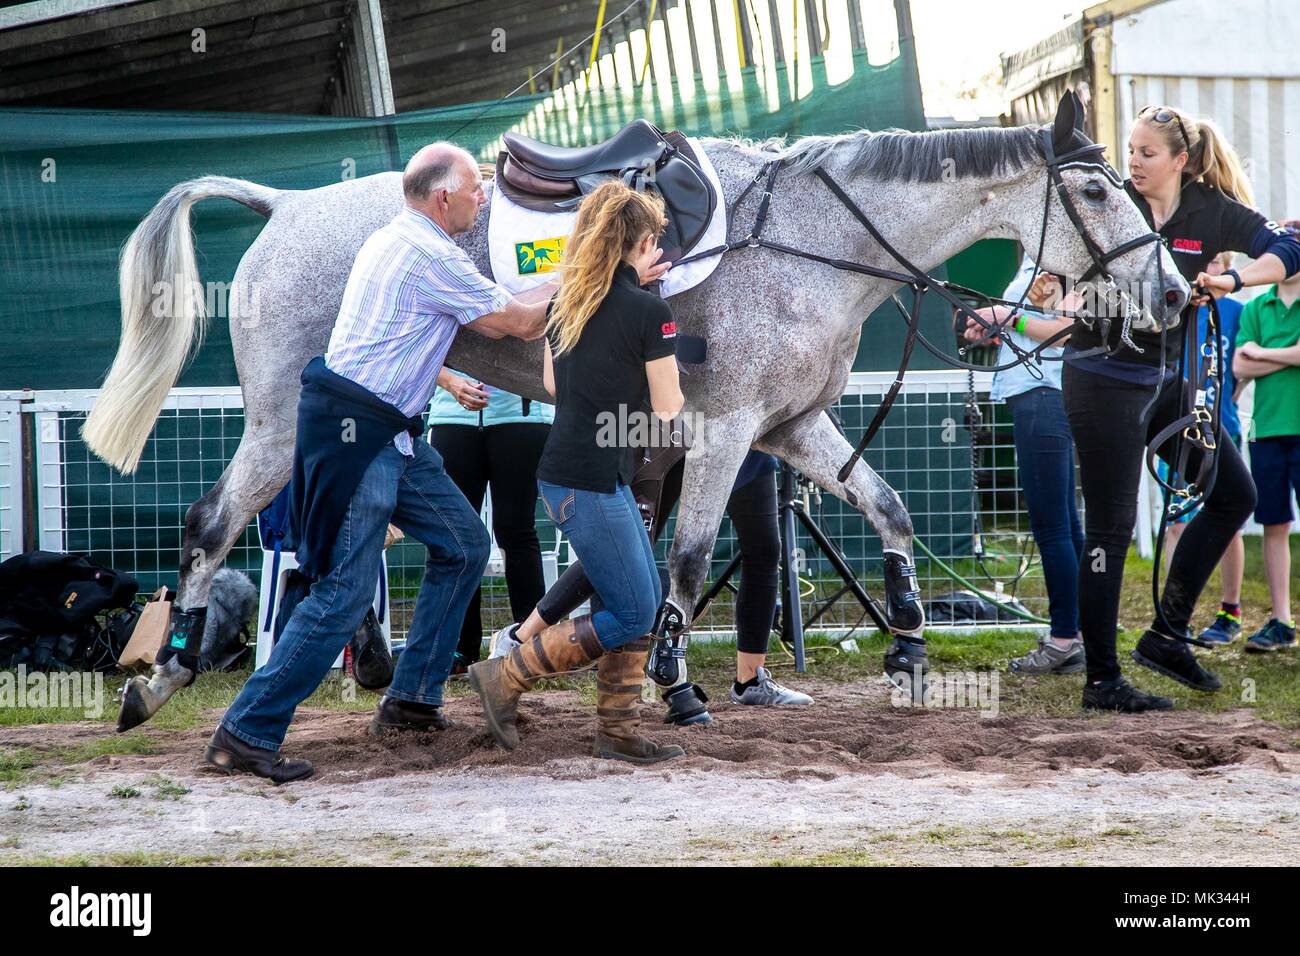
[[1119, 694], [1175, 660]]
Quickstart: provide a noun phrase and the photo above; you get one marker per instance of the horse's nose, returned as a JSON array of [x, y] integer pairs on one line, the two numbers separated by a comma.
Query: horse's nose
[[1175, 296]]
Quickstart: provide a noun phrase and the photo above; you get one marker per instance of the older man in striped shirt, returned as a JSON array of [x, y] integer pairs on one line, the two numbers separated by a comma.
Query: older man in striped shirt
[[356, 467]]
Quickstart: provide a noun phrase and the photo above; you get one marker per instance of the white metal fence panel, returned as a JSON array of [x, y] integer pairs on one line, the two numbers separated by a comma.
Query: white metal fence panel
[[11, 474], [960, 498]]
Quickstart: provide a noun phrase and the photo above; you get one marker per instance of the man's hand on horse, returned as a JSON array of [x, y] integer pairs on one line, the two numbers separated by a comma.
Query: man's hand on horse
[[469, 395], [656, 270]]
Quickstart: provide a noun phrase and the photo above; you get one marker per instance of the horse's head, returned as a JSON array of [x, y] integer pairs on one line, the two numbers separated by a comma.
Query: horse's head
[[1095, 234]]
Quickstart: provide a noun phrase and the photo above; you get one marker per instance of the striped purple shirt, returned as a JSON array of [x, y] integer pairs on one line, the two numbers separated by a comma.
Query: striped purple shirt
[[410, 290]]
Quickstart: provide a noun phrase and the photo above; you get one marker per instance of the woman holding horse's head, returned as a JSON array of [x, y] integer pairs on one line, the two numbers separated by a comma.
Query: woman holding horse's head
[[1189, 184], [610, 346]]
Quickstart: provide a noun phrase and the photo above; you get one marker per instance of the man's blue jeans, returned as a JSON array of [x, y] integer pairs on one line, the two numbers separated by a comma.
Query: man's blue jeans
[[609, 538], [416, 495]]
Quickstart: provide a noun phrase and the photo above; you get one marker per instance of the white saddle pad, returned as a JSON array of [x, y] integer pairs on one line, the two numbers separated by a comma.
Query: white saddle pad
[[524, 245]]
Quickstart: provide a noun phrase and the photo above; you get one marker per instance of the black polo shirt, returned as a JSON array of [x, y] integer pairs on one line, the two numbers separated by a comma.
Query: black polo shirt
[[601, 387], [1206, 223]]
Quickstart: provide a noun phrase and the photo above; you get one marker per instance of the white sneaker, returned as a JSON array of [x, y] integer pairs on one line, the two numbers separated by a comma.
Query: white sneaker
[[503, 642], [768, 693]]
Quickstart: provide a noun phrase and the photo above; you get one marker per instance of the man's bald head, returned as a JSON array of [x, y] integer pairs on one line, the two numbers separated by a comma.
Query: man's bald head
[[434, 167], [443, 182]]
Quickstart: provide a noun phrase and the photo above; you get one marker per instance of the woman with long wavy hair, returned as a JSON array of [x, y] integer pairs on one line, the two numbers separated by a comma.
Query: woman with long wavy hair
[[610, 344]]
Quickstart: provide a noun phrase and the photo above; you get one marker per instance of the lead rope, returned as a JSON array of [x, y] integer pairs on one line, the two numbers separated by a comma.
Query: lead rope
[[1187, 432]]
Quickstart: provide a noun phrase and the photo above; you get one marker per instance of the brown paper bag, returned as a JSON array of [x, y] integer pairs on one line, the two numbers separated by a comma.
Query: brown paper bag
[[150, 632]]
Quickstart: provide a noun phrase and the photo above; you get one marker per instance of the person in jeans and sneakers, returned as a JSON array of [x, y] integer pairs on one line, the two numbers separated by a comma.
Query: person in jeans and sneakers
[[1268, 351], [610, 343], [1045, 463], [359, 464]]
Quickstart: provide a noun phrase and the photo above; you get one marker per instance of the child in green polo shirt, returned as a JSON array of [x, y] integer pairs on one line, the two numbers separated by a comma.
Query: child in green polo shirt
[[1268, 351]]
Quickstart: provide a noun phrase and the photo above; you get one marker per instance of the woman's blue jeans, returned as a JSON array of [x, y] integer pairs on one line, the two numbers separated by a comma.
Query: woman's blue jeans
[[1045, 460], [607, 535]]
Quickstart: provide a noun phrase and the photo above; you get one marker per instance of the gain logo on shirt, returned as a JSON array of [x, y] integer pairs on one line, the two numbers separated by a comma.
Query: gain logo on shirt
[[540, 255]]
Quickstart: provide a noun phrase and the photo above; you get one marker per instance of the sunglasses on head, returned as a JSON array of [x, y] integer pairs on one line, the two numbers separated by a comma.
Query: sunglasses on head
[[1163, 114]]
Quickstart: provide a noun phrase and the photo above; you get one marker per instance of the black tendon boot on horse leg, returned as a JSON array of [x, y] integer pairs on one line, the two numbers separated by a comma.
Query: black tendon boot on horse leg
[[175, 667], [906, 660], [667, 668]]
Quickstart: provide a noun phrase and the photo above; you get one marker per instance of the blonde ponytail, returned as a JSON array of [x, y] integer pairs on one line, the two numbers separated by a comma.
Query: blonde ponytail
[[1210, 157], [612, 219], [1218, 164]]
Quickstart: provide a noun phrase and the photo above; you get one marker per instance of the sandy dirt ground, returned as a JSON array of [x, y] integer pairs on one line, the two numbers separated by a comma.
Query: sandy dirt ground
[[850, 780]]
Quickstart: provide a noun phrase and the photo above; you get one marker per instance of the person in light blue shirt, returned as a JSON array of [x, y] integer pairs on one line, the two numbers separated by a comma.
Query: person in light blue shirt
[[491, 438], [1045, 462]]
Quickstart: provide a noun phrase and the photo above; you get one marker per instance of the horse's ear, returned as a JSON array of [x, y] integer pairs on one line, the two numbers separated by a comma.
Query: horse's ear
[[1079, 112], [1068, 119]]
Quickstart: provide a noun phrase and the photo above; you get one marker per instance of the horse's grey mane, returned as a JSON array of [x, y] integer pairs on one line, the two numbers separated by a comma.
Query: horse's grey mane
[[900, 154]]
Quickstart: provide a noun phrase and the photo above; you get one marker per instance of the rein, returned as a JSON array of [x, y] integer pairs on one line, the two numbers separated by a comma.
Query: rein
[[1199, 429], [920, 282]]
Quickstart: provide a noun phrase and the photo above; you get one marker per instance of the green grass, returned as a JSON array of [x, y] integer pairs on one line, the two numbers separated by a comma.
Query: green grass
[[17, 764], [1269, 684]]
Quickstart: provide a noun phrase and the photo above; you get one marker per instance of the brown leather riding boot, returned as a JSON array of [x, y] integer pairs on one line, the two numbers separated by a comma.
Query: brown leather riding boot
[[501, 681], [618, 707]]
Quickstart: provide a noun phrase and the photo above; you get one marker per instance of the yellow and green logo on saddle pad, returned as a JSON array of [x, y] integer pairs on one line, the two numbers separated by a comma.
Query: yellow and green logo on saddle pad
[[540, 255]]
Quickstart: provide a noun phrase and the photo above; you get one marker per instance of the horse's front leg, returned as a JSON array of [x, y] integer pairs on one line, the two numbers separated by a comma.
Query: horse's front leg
[[710, 469], [814, 446]]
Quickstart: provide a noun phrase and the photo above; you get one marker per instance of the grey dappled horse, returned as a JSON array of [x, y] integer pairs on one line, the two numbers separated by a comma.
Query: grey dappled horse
[[782, 331]]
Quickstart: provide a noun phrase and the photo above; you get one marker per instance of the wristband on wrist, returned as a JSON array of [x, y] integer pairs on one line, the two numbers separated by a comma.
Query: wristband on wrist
[[1236, 278], [1020, 324]]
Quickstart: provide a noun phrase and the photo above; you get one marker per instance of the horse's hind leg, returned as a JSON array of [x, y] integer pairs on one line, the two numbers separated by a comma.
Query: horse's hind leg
[[261, 467], [814, 446]]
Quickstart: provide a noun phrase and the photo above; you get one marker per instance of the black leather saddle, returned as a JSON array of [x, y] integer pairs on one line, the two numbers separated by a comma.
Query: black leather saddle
[[550, 178]]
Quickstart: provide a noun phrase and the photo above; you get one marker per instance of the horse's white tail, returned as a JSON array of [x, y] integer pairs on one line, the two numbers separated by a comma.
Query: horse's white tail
[[163, 317]]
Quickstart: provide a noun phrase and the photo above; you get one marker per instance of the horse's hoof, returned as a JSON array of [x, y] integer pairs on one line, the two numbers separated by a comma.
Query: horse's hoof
[[906, 665], [136, 701]]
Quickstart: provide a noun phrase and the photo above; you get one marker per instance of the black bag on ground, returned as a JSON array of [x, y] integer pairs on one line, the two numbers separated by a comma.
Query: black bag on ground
[[967, 607], [48, 604], [47, 591]]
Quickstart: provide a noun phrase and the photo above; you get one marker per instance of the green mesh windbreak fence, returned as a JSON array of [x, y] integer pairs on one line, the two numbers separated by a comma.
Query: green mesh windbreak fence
[[74, 183]]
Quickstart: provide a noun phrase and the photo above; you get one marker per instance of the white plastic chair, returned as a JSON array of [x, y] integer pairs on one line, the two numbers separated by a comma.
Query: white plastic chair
[[288, 562]]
